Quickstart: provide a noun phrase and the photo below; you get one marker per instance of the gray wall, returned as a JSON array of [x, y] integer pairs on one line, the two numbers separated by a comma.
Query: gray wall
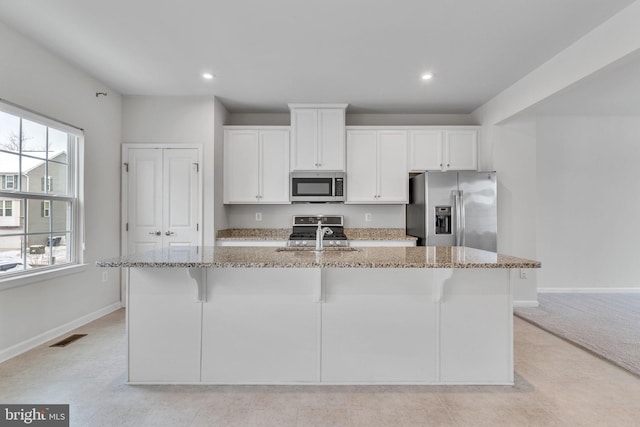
[[50, 86]]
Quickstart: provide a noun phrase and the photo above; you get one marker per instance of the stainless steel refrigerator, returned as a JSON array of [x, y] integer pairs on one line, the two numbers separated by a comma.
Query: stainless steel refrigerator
[[453, 209]]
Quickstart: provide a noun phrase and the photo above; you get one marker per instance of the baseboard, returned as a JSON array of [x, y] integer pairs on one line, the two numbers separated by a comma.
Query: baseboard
[[588, 290], [526, 303], [27, 345]]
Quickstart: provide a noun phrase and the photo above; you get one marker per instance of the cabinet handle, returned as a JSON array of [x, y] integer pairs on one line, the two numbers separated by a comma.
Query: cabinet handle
[[155, 233], [440, 164], [169, 233], [448, 165]]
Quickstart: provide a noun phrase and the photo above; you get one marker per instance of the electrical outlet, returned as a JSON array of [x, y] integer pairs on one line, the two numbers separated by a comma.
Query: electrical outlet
[[258, 216], [523, 273], [105, 276], [368, 217]]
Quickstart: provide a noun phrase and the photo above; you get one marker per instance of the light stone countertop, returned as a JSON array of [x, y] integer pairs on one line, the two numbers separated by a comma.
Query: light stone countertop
[[370, 257], [283, 234]]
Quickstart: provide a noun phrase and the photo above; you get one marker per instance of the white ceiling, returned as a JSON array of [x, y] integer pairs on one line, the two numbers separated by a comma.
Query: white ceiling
[[265, 54]]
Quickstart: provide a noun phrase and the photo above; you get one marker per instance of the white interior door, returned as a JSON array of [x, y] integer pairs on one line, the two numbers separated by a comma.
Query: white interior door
[[144, 200], [180, 193], [162, 198]]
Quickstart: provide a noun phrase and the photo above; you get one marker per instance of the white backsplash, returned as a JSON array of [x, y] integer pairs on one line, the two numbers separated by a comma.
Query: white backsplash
[[280, 216]]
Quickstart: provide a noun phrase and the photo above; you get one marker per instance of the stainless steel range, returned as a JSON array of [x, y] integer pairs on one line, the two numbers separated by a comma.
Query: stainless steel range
[[305, 229]]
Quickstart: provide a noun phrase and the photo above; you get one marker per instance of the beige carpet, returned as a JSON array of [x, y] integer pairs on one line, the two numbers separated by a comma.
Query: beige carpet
[[605, 324]]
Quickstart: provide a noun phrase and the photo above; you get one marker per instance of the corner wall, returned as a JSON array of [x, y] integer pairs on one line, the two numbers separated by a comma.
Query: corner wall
[[44, 83], [514, 159], [176, 120]]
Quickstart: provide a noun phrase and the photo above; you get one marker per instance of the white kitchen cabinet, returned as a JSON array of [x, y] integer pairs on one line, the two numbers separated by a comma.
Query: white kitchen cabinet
[[442, 149], [377, 166], [317, 137], [256, 165]]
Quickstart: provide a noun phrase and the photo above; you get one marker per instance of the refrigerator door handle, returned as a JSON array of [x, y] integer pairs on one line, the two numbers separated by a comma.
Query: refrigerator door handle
[[461, 232], [456, 208]]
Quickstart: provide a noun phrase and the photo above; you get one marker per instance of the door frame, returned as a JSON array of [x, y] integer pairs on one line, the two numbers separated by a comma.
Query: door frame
[[124, 194]]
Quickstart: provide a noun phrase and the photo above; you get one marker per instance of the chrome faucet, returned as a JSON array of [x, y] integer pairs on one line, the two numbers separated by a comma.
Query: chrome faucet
[[320, 233]]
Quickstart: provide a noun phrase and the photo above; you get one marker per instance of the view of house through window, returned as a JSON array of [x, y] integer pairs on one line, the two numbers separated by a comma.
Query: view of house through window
[[38, 192]]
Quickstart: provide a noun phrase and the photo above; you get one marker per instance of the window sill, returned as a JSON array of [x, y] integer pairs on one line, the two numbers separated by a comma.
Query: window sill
[[29, 278]]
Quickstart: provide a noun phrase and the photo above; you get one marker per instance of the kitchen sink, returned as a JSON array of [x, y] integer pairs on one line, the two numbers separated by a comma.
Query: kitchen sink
[[312, 249]]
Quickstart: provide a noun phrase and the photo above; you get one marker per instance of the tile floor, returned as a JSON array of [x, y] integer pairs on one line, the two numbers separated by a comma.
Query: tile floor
[[557, 384]]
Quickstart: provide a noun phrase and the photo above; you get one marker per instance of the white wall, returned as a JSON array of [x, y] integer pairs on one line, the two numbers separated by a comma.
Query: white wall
[[514, 159], [32, 77], [502, 125], [588, 205], [219, 212], [176, 120]]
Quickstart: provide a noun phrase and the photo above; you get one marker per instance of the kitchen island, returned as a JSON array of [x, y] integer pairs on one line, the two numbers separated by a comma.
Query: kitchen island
[[375, 315]]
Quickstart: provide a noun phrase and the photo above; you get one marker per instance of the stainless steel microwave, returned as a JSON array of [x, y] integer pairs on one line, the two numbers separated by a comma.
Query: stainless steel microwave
[[320, 186]]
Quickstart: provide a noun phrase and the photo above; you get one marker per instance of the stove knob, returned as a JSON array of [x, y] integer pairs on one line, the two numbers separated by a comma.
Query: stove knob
[[304, 242]]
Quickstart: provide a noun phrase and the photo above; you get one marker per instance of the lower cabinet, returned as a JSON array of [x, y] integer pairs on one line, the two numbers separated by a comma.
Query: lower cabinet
[[163, 322], [261, 326]]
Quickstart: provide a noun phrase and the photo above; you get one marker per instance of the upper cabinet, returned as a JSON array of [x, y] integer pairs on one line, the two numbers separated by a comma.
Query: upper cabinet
[[377, 166], [256, 165], [436, 148], [318, 134]]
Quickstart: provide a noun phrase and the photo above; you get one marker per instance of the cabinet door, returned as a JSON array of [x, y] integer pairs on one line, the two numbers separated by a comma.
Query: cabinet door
[[331, 123], [425, 150], [361, 167], [393, 177], [304, 152], [241, 167], [461, 150], [274, 148]]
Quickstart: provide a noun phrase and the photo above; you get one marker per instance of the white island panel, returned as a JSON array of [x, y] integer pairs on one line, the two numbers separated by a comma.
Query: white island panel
[[261, 326], [163, 321], [476, 323], [378, 326]]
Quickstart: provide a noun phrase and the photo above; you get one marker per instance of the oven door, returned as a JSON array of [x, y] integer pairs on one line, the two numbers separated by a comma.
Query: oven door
[[312, 189]]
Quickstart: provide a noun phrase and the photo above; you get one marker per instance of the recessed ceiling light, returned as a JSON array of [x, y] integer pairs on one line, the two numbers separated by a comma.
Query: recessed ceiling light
[[426, 76], [207, 76]]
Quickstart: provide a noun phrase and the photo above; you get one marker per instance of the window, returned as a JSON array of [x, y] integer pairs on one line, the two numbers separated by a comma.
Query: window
[[46, 208], [40, 171], [6, 208], [48, 187], [9, 181]]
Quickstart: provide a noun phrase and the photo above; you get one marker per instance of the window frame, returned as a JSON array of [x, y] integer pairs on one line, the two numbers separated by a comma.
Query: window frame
[[74, 196], [3, 207]]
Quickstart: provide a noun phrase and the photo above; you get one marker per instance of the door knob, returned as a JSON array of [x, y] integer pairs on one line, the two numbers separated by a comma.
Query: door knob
[[169, 233]]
